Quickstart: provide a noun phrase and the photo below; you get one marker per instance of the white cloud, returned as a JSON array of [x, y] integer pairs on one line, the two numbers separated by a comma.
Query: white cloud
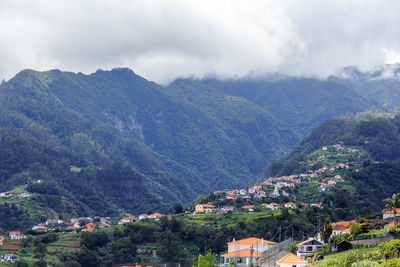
[[165, 39]]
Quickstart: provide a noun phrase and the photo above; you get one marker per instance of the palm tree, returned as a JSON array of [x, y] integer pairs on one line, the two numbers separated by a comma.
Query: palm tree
[[393, 204]]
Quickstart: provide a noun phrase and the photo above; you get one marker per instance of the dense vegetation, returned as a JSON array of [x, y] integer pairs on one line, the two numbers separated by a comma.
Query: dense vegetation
[[101, 142], [372, 179]]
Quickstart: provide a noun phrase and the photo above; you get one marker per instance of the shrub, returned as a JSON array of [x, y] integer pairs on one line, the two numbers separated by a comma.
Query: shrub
[[389, 249]]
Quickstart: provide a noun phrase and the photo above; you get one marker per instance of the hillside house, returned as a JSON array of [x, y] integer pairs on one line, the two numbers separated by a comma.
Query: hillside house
[[155, 216], [317, 205], [39, 228], [387, 214], [273, 206], [342, 227], [127, 220], [308, 246], [16, 235], [204, 208], [9, 257], [290, 205], [246, 251], [291, 260], [248, 208]]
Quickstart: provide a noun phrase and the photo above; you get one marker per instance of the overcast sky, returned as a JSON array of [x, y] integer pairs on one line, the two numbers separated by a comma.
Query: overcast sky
[[163, 40]]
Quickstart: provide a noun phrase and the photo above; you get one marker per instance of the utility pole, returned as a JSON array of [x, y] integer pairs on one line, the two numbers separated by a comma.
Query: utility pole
[[280, 233]]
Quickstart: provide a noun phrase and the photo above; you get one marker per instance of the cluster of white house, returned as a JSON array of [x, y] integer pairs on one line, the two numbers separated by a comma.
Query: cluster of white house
[[89, 224], [209, 208]]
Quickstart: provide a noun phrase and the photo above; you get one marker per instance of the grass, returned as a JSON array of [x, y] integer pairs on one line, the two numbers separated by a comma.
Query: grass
[[349, 255]]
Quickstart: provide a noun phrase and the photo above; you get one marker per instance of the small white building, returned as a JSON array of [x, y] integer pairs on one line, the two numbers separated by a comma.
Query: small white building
[[9, 257], [307, 247]]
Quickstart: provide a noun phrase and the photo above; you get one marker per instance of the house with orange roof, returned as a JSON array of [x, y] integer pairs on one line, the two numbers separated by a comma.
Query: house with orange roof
[[273, 206], [308, 246], [290, 205], [387, 214], [248, 208], [246, 251], [143, 216], [127, 219], [39, 228], [71, 228], [156, 216], [204, 208], [1, 240], [291, 260], [342, 227], [15, 235], [104, 225]]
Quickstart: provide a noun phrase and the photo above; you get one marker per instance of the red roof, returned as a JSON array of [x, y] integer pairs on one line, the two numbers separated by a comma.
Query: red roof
[[248, 207], [207, 206], [252, 240], [391, 211], [156, 214]]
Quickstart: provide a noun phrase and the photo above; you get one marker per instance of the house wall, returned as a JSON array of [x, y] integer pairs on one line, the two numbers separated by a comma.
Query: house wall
[[259, 248]]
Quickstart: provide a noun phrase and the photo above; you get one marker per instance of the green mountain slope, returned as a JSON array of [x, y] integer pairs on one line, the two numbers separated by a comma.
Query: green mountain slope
[[371, 178], [113, 141], [303, 103]]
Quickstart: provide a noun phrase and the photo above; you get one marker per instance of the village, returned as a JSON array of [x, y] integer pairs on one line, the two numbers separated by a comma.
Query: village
[[271, 196], [282, 188]]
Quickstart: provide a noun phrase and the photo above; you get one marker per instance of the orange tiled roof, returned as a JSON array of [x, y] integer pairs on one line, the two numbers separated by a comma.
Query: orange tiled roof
[[290, 258], [252, 240], [157, 214], [248, 207], [243, 253], [391, 211], [207, 205]]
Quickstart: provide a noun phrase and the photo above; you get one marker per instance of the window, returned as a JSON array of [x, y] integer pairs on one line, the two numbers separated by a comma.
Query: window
[[309, 249]]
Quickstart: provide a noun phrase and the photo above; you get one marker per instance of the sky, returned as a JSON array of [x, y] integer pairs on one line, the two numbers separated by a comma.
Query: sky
[[164, 40]]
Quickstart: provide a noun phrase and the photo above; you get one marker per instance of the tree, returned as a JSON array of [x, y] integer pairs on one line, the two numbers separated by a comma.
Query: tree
[[178, 208], [205, 261], [326, 230], [393, 204]]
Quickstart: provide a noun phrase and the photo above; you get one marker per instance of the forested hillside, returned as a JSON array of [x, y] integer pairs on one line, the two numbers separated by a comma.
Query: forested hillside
[[112, 141], [372, 179]]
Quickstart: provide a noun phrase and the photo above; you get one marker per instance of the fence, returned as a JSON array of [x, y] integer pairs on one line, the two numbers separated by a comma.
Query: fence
[[276, 248]]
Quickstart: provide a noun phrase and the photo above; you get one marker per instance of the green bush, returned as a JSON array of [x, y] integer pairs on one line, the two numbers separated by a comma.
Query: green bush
[[390, 263], [389, 249]]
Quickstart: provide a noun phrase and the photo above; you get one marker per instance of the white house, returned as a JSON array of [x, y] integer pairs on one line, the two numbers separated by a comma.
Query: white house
[[16, 235], [246, 251], [206, 208], [307, 247], [290, 205], [291, 260], [386, 214], [9, 257], [273, 206], [126, 220], [39, 228]]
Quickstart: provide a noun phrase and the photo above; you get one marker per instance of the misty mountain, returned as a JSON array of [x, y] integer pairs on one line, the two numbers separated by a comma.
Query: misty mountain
[[302, 103]]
